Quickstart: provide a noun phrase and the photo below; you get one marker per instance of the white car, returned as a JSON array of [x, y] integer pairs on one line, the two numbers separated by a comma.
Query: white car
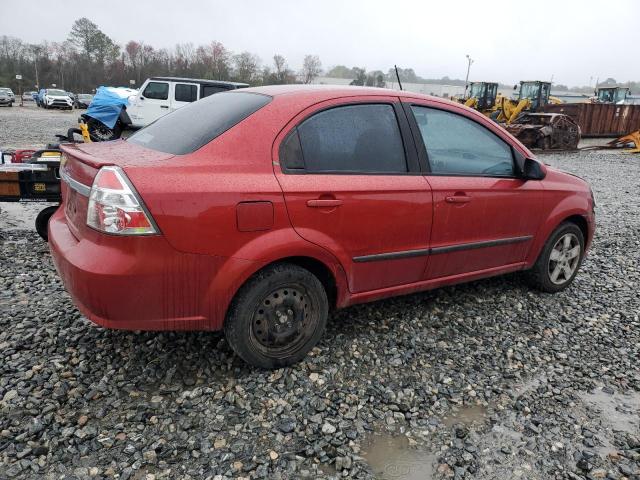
[[8, 93], [53, 98], [160, 95]]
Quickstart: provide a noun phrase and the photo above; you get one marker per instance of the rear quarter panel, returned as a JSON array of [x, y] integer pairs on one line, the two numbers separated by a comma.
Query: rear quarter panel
[[193, 199]]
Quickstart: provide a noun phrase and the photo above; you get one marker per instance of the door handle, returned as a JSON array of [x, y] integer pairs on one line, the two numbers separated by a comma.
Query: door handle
[[164, 106], [458, 199], [324, 203]]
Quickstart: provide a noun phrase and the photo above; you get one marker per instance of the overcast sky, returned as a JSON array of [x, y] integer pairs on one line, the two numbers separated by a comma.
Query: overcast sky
[[509, 40]]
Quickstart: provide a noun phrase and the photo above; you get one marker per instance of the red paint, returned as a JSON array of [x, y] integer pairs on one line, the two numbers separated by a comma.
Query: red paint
[[254, 216], [227, 210]]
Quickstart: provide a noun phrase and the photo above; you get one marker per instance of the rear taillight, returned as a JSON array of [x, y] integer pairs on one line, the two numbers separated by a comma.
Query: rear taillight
[[115, 207]]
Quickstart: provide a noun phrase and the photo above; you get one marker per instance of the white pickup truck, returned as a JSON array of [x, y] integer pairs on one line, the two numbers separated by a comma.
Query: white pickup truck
[[160, 95]]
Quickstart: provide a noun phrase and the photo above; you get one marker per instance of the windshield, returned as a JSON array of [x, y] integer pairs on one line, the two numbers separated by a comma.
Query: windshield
[[476, 90], [189, 128], [621, 95], [529, 90], [57, 92]]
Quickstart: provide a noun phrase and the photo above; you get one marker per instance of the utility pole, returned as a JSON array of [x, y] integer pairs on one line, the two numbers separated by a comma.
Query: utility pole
[[466, 80], [19, 78], [35, 64]]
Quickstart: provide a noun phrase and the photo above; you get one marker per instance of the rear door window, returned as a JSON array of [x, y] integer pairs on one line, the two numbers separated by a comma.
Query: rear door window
[[362, 138], [456, 145], [185, 92], [192, 126], [156, 91]]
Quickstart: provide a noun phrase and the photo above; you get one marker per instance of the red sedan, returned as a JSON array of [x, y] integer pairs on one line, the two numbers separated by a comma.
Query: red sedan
[[259, 210]]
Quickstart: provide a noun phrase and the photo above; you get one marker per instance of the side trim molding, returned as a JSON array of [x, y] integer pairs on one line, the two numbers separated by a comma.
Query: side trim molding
[[392, 255], [438, 250], [485, 244]]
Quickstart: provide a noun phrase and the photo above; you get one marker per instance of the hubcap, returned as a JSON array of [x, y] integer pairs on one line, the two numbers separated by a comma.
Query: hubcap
[[281, 321], [564, 259]]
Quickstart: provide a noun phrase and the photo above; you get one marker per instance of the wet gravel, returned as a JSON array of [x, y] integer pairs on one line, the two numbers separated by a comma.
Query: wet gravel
[[30, 126], [485, 380]]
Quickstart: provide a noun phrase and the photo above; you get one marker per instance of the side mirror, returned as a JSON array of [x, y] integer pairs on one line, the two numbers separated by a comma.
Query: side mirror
[[515, 87], [532, 170]]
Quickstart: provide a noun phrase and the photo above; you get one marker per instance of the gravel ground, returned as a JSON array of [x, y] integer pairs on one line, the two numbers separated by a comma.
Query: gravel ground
[[30, 126], [485, 380]]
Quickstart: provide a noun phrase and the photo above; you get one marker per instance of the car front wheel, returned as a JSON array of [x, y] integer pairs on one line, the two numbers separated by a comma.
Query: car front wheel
[[277, 317], [559, 260]]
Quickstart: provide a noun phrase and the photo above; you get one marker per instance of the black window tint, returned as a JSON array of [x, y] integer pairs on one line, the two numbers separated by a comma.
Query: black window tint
[[458, 145], [192, 126], [186, 93], [353, 138], [291, 152], [156, 91], [211, 89]]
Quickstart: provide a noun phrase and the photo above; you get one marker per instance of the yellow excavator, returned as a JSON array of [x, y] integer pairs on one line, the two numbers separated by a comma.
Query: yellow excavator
[[524, 116]]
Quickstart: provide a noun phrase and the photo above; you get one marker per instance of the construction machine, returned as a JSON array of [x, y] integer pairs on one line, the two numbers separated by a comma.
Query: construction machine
[[617, 95], [524, 116], [482, 96]]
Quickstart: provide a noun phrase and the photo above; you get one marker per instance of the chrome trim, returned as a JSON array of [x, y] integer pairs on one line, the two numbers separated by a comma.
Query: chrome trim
[[81, 188], [436, 250]]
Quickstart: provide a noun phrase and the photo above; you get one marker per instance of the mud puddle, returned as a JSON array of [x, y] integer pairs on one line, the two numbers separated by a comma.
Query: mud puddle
[[391, 458], [468, 415], [619, 412]]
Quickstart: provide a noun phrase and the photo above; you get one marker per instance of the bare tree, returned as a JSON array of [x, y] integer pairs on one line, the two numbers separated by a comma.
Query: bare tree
[[220, 61], [282, 74], [311, 68], [246, 66]]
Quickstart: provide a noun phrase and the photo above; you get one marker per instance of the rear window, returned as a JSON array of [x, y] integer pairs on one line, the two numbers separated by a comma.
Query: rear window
[[192, 126], [211, 89]]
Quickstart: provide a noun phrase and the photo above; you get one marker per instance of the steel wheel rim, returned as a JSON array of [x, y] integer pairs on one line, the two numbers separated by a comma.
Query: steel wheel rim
[[102, 132], [282, 321], [564, 259]]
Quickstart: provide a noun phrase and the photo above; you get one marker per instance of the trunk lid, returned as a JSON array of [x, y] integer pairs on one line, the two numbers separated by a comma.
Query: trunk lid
[[79, 167]]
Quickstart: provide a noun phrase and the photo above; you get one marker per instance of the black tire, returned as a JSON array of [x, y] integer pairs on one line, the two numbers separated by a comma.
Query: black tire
[[542, 273], [99, 132], [42, 222], [277, 316]]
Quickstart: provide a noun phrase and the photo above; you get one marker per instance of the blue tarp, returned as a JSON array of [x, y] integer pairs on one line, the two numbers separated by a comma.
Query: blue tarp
[[107, 104]]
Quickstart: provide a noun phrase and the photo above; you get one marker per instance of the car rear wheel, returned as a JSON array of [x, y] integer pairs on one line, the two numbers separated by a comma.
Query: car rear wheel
[[559, 260], [277, 317], [42, 222]]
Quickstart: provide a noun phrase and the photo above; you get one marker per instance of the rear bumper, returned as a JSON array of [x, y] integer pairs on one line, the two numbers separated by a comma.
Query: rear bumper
[[136, 283]]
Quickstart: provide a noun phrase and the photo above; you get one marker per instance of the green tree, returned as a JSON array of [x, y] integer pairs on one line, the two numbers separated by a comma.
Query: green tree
[[93, 43], [360, 75]]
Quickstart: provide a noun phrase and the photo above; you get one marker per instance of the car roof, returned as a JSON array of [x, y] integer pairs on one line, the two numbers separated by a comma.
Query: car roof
[[201, 81], [321, 92]]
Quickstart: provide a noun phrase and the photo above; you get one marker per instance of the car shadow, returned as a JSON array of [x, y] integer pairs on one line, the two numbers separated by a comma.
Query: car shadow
[[172, 362]]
